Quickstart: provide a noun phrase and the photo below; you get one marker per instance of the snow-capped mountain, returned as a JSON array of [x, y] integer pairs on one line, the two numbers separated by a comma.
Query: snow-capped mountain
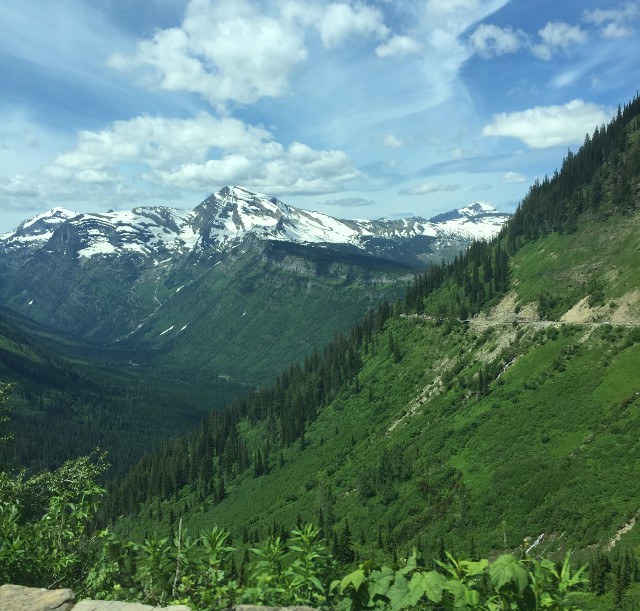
[[225, 218]]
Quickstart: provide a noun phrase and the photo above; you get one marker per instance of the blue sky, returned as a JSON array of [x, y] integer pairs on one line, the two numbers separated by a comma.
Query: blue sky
[[358, 108]]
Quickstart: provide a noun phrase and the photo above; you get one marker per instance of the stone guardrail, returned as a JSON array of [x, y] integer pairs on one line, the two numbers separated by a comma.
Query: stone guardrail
[[21, 598]]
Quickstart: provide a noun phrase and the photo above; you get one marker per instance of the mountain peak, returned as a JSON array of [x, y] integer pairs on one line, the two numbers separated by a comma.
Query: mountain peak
[[477, 208]]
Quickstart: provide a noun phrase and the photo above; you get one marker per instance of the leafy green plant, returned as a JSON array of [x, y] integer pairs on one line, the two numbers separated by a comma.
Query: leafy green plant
[[45, 522], [506, 583]]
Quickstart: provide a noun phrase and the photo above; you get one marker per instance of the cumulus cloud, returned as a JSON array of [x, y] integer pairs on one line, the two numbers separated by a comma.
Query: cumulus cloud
[[391, 141], [341, 21], [224, 51], [490, 40], [295, 169], [238, 52], [399, 46], [555, 36], [17, 187], [159, 141], [546, 126], [429, 187], [195, 153]]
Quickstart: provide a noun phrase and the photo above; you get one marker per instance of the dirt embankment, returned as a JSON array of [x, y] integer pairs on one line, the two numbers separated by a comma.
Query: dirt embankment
[[624, 310]]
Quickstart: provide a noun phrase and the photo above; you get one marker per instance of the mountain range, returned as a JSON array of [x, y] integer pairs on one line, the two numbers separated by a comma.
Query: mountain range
[[225, 218]]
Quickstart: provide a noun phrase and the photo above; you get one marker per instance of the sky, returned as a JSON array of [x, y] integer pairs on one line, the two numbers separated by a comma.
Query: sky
[[356, 108]]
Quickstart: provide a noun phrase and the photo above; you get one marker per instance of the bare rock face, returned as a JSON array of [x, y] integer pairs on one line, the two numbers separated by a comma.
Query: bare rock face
[[19, 598]]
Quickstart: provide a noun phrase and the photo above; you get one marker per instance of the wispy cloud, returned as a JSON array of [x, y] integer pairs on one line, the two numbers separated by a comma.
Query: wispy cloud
[[429, 187], [616, 22], [511, 177], [348, 202]]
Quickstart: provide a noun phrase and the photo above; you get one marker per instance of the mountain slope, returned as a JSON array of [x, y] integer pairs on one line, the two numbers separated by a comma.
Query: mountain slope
[[424, 423], [260, 308]]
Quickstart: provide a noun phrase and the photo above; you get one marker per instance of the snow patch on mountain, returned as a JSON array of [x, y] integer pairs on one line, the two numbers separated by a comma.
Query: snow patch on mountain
[[36, 231]]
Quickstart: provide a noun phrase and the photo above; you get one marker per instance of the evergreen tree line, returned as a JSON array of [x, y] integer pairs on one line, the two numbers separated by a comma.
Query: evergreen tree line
[[474, 277]]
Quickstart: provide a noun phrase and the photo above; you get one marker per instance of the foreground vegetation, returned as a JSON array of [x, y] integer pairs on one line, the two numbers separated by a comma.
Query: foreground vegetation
[[48, 539]]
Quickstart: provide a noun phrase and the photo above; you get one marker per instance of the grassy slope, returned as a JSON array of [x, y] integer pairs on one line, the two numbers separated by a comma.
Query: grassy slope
[[564, 264], [550, 449]]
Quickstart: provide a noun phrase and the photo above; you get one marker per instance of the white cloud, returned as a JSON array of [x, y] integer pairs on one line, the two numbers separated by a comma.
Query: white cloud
[[158, 141], [348, 202], [96, 177], [546, 126], [429, 187], [340, 21], [614, 23], [555, 36], [392, 141], [296, 169], [17, 187], [399, 46], [224, 51], [566, 78], [197, 154], [490, 40], [512, 177], [616, 30]]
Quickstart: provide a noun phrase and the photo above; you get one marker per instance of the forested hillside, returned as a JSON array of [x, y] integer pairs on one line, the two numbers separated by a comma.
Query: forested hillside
[[495, 402]]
